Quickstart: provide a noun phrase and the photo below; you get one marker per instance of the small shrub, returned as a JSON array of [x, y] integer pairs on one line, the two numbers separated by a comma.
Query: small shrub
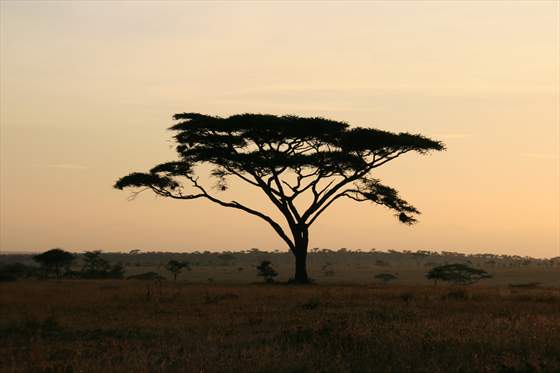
[[386, 277], [146, 276]]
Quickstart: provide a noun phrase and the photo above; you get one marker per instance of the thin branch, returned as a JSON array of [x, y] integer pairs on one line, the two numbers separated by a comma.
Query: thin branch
[[324, 207], [135, 194], [232, 204]]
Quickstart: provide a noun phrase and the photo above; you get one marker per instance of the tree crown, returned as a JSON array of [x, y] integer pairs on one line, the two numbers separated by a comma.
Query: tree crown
[[457, 273], [286, 157], [54, 258], [265, 270], [176, 266]]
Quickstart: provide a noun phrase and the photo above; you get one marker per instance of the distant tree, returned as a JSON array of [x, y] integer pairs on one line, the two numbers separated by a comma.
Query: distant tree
[[457, 273], [176, 267], [97, 267], [54, 261], [386, 277], [94, 265], [290, 159], [266, 271]]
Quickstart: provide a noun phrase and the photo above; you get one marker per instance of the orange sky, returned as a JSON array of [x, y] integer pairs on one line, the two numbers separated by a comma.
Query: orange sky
[[88, 90]]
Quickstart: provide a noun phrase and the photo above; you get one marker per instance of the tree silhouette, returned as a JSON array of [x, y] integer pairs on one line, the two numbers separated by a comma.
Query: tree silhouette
[[97, 267], [94, 265], [266, 271], [54, 260], [457, 273], [176, 267], [302, 165]]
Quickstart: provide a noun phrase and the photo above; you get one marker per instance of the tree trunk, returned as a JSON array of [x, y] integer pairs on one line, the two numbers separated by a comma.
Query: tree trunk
[[301, 268], [300, 253]]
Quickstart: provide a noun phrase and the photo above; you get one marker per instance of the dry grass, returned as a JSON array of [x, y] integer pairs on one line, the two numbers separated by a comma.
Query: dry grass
[[134, 326]]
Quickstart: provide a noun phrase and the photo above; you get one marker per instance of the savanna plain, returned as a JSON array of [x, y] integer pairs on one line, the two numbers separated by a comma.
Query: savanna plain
[[217, 317]]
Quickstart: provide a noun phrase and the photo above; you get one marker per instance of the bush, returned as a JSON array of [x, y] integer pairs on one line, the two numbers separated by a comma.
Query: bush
[[386, 277], [15, 271], [146, 276]]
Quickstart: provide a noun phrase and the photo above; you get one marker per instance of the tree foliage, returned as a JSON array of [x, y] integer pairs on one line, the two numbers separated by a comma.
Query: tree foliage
[[265, 270], [176, 267], [97, 267], [457, 273], [302, 165], [54, 261]]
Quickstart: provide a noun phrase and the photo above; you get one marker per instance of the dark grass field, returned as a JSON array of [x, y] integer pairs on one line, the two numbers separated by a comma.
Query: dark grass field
[[138, 326]]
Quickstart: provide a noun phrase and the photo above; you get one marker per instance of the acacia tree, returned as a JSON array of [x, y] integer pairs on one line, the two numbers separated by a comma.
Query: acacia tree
[[302, 165], [176, 267], [94, 266], [265, 270], [457, 273], [54, 260]]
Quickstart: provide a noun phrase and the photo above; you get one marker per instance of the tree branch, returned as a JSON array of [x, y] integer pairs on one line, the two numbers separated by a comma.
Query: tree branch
[[232, 204]]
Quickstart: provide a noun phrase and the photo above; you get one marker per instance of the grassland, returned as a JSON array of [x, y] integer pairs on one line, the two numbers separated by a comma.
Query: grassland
[[326, 266], [140, 326]]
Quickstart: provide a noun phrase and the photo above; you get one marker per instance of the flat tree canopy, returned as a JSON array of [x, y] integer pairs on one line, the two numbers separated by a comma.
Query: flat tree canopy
[[287, 158], [176, 267], [457, 273], [54, 261]]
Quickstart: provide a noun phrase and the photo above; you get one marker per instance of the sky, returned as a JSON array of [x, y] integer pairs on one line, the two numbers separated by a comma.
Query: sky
[[88, 88]]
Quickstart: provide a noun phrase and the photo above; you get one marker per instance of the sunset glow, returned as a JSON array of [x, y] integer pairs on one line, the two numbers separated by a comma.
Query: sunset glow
[[88, 90]]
